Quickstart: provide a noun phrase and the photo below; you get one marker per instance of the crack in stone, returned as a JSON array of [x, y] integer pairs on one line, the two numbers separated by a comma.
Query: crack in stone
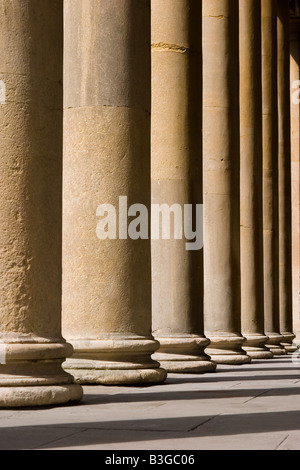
[[283, 440], [256, 396], [204, 422], [60, 438]]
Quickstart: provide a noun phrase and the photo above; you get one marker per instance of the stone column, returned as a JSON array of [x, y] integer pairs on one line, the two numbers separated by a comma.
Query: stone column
[[284, 176], [177, 264], [107, 282], [221, 154], [270, 175], [31, 345], [252, 285], [295, 170]]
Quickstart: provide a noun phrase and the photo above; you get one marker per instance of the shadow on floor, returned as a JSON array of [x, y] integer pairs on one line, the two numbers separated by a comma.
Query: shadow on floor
[[97, 433], [164, 396], [215, 378]]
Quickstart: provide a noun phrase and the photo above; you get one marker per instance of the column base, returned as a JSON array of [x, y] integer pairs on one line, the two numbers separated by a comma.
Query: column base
[[115, 361], [96, 375], [184, 354], [227, 349], [31, 374], [287, 342], [255, 346], [49, 395], [274, 344]]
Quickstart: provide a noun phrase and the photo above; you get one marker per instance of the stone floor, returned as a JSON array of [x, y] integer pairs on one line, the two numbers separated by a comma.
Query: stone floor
[[250, 407]]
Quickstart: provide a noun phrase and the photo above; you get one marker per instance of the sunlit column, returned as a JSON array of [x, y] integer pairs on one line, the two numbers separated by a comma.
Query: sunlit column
[[107, 279], [177, 264], [31, 345], [221, 162], [252, 285], [270, 175], [295, 171], [284, 176]]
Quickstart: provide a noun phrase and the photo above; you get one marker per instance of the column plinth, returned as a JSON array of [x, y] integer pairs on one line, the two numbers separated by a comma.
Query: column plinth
[[288, 342], [32, 348], [115, 360], [275, 343], [255, 346], [32, 374], [227, 348], [184, 354]]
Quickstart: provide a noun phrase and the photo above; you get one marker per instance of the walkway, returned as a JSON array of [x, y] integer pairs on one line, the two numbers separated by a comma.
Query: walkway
[[248, 407]]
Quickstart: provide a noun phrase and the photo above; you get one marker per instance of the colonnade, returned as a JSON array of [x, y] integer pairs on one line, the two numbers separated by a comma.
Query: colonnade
[[170, 104]]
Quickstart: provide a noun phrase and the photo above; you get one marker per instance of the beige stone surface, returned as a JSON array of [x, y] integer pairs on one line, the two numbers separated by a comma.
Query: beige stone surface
[[284, 177], [32, 348], [122, 326], [107, 283], [252, 284], [221, 181], [295, 177], [176, 171], [270, 175]]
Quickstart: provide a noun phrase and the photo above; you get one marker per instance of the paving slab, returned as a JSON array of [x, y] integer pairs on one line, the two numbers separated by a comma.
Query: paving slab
[[250, 407]]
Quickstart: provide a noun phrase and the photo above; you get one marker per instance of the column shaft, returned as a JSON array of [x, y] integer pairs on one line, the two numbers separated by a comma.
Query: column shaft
[[221, 154], [32, 348], [177, 270], [295, 171], [252, 289], [284, 176], [270, 175], [107, 277]]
